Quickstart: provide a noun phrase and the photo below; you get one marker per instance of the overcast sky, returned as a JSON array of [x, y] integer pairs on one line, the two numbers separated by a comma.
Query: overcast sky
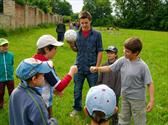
[[76, 5]]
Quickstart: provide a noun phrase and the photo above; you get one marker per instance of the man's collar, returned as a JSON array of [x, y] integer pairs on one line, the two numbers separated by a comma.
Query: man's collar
[[91, 30]]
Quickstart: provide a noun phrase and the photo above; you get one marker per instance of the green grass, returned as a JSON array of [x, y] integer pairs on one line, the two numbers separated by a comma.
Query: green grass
[[154, 53]]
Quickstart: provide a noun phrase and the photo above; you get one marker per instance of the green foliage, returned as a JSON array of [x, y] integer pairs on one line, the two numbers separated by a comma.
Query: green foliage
[[61, 7], [42, 4], [104, 22], [154, 53], [50, 6], [164, 24], [8, 32], [139, 14], [90, 6], [143, 14], [3, 33], [21, 2], [99, 9], [44, 25], [74, 16], [67, 19]]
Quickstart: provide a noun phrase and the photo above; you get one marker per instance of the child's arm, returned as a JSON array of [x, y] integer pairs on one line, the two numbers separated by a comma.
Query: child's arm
[[100, 69], [151, 94], [66, 80], [99, 58], [100, 79]]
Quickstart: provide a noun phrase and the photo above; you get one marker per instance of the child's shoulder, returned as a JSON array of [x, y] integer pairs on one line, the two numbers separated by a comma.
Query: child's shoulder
[[142, 61], [143, 64], [10, 53]]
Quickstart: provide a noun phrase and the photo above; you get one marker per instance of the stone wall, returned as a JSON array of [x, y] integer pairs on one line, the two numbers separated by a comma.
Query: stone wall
[[16, 16], [7, 18]]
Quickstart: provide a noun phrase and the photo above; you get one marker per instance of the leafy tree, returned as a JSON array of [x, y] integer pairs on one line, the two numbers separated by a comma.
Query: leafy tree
[[90, 6], [100, 10], [21, 2], [61, 7], [144, 14], [161, 15], [74, 16], [42, 4]]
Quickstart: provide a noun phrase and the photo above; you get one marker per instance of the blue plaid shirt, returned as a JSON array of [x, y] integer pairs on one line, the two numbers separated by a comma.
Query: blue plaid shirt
[[88, 49]]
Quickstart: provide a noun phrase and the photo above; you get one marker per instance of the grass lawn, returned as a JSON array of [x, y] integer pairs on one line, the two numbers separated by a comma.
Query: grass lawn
[[154, 53]]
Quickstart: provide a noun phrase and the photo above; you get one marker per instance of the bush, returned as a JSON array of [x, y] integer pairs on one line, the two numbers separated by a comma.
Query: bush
[[45, 25], [74, 16], [3, 33], [164, 24], [67, 19], [21, 2], [104, 22]]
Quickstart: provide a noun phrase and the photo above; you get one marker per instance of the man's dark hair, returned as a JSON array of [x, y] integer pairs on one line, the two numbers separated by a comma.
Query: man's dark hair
[[133, 44], [42, 51], [85, 14]]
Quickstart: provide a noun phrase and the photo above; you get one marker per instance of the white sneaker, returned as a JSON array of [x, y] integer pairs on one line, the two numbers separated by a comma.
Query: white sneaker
[[73, 113]]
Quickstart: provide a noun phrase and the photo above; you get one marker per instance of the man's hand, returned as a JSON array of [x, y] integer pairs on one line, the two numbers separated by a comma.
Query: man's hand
[[71, 42], [72, 45]]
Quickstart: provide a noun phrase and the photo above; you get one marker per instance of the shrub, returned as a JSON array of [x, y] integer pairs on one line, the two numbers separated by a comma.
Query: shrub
[[3, 33], [67, 19]]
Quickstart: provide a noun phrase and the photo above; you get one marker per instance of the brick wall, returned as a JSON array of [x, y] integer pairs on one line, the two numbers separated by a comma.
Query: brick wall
[[31, 16], [16, 16], [39, 19], [19, 16]]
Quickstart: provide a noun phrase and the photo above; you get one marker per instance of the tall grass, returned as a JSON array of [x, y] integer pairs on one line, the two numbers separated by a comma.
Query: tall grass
[[154, 53]]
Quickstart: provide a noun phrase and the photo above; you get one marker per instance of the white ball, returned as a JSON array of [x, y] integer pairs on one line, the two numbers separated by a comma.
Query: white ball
[[70, 35]]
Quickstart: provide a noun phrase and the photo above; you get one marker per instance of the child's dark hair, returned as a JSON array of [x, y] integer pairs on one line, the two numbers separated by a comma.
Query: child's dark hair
[[36, 75], [108, 51], [42, 51], [85, 14], [30, 79], [98, 117], [134, 44]]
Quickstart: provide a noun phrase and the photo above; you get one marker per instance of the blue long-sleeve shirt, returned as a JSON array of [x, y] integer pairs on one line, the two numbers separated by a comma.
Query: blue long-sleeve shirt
[[88, 49], [26, 107]]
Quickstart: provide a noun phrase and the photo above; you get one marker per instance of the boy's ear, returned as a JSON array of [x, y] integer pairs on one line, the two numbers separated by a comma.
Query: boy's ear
[[46, 49], [33, 78], [116, 109], [86, 111], [136, 53]]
